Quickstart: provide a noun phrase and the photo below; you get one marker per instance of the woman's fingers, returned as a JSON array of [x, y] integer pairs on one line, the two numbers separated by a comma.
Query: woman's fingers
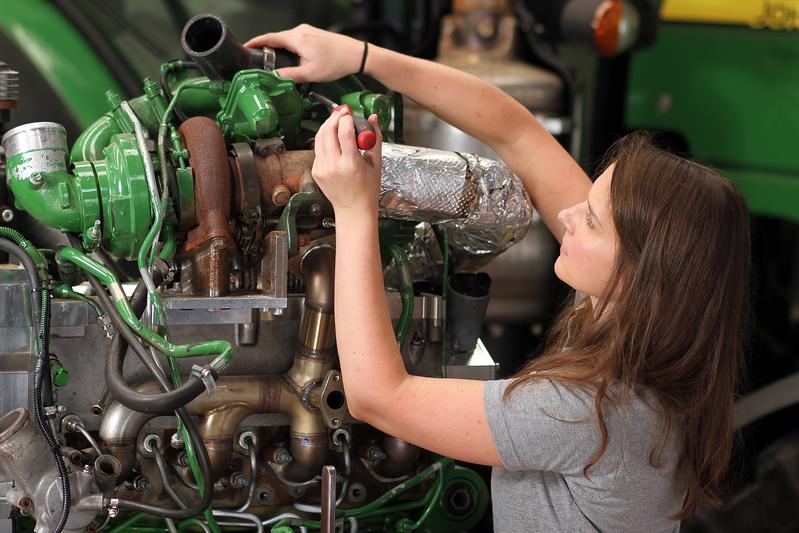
[[346, 137], [375, 156], [279, 39]]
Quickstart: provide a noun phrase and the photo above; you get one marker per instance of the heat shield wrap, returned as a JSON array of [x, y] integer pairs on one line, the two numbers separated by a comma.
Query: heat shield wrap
[[483, 206]]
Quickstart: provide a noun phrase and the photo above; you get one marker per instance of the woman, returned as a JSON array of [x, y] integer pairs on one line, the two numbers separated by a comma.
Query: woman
[[625, 422]]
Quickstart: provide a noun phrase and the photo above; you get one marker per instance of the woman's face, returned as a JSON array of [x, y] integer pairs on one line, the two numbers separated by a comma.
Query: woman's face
[[588, 249]]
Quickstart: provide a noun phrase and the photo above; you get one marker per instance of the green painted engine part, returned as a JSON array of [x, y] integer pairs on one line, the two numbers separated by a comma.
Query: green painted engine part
[[259, 105], [72, 203]]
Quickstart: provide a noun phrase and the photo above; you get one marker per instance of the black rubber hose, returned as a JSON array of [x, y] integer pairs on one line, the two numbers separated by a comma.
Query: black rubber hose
[[160, 403], [41, 372]]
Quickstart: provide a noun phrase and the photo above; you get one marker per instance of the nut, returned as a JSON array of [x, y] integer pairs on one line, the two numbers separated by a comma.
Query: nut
[[239, 480]]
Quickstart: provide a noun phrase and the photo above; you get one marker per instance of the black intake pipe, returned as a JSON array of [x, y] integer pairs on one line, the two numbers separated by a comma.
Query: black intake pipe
[[208, 41]]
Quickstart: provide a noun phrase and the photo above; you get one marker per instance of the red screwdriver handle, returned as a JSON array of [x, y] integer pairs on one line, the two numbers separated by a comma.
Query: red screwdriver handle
[[365, 136]]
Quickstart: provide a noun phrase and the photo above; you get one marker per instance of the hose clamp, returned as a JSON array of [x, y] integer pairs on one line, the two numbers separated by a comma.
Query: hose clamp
[[270, 58], [204, 374]]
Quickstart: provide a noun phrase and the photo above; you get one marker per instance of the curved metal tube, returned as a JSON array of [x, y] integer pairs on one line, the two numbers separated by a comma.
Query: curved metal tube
[[296, 393], [401, 457], [211, 243]]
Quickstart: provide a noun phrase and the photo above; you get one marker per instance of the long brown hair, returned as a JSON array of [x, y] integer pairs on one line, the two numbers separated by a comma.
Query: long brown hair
[[675, 324]]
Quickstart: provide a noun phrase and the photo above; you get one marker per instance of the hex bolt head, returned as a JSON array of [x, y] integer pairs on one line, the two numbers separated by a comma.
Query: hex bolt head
[[282, 456], [239, 480], [36, 179], [7, 215], [375, 453], [141, 484], [316, 209]]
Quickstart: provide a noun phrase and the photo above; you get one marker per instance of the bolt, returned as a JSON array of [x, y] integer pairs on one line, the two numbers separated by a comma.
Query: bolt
[[91, 528], [183, 459], [113, 512], [375, 453], [239, 480], [316, 209], [141, 484], [36, 179], [7, 215], [282, 456], [336, 377], [280, 195], [335, 421], [328, 223], [25, 503]]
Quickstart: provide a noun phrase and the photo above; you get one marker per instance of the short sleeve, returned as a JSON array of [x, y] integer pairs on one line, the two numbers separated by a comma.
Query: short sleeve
[[542, 426]]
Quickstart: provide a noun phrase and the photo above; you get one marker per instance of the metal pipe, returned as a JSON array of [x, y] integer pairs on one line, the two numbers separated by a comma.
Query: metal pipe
[[211, 244], [401, 457]]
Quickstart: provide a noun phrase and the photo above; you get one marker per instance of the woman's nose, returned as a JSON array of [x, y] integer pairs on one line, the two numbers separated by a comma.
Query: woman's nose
[[567, 219]]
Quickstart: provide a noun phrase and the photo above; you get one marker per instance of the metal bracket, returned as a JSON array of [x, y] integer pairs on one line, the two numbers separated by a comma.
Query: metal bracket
[[332, 401], [288, 219]]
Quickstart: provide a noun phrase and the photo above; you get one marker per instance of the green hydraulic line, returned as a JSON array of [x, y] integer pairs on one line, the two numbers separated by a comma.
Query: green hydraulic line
[[367, 509], [406, 526], [63, 290], [222, 348], [124, 526], [377, 508], [170, 243], [142, 260], [183, 524], [404, 322]]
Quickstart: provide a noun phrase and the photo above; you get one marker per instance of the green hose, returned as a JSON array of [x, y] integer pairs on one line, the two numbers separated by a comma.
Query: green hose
[[223, 348], [63, 290], [404, 322]]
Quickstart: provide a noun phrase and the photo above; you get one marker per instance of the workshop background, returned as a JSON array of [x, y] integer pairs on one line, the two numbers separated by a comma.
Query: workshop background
[[715, 79]]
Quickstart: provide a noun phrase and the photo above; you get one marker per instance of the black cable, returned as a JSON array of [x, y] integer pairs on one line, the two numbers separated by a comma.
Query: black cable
[[41, 373], [161, 464], [164, 82]]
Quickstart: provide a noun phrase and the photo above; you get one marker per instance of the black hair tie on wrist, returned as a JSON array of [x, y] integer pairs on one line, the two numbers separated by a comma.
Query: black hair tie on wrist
[[363, 59]]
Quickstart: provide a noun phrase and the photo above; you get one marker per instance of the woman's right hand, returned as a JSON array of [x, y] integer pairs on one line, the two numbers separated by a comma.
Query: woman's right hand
[[324, 56]]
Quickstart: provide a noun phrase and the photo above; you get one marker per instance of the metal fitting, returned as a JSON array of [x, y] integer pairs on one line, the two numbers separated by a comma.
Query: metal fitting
[[183, 460], [36, 179], [141, 484], [282, 456], [375, 453], [246, 436], [238, 480], [280, 195], [7, 214], [148, 445]]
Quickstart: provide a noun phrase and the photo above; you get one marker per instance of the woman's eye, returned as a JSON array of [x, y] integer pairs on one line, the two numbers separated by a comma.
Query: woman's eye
[[588, 221]]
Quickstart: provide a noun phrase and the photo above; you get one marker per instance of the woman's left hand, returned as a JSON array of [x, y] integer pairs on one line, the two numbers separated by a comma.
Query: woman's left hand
[[350, 181]]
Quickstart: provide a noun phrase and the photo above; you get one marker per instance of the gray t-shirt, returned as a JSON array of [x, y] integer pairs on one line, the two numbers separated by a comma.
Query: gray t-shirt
[[546, 433]]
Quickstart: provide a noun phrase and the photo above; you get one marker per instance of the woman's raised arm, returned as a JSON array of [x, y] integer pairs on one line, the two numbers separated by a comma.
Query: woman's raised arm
[[552, 178]]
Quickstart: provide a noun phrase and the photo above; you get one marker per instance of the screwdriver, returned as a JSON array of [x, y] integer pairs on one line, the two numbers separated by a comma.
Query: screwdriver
[[365, 136]]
